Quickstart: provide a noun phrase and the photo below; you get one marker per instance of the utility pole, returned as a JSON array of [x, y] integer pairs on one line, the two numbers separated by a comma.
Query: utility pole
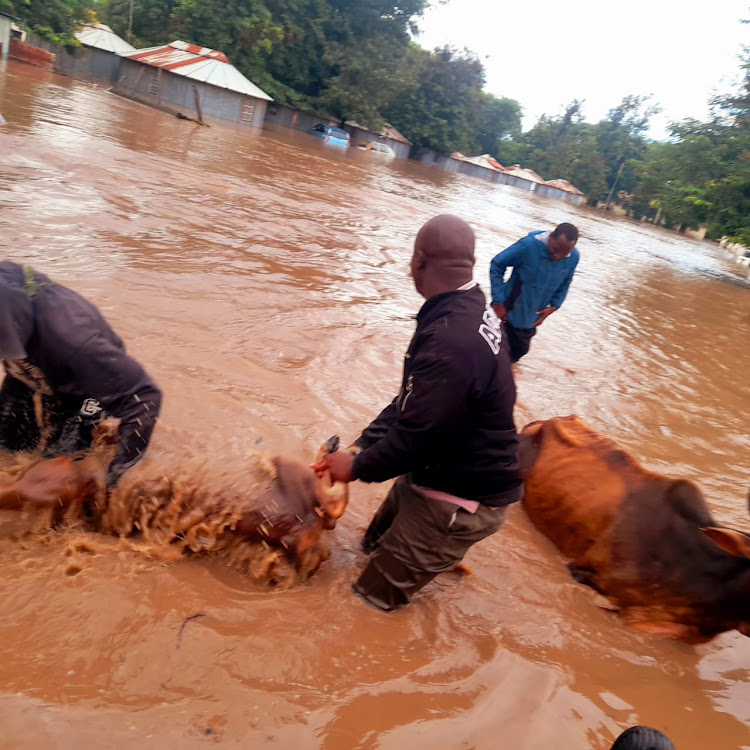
[[614, 185], [130, 21]]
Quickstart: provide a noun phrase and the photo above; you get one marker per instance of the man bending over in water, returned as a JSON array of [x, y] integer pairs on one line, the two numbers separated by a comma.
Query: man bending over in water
[[449, 436], [56, 345]]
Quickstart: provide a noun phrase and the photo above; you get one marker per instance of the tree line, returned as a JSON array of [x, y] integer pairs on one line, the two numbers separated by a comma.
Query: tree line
[[357, 60]]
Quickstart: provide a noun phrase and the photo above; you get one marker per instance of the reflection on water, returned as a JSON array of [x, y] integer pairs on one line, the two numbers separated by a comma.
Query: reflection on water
[[263, 279]]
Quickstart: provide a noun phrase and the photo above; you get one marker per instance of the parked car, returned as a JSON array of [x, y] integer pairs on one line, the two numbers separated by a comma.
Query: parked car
[[334, 136], [377, 148]]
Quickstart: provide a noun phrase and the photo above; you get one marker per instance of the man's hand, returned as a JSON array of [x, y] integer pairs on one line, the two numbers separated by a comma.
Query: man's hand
[[543, 315], [339, 464], [501, 312]]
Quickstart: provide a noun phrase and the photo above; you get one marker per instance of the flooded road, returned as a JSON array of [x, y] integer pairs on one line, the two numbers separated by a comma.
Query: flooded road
[[263, 282]]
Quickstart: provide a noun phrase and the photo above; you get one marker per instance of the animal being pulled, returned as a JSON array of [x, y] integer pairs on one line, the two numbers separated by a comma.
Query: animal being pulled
[[645, 541], [265, 515]]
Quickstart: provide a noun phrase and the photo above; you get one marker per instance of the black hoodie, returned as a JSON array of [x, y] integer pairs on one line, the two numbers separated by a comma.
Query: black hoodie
[[57, 331], [451, 426]]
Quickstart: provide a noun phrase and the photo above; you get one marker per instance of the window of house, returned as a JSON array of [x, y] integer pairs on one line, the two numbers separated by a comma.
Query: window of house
[[247, 112]]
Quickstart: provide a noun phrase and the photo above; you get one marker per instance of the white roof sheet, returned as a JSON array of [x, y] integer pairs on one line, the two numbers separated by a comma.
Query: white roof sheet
[[99, 35], [200, 64]]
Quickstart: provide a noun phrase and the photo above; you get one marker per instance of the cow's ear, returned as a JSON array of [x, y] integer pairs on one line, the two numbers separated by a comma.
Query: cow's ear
[[734, 542]]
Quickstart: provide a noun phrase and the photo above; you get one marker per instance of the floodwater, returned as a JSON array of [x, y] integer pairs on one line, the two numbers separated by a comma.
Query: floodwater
[[262, 279]]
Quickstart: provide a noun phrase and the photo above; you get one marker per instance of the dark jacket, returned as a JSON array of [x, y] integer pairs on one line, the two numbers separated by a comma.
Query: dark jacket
[[451, 426], [67, 339]]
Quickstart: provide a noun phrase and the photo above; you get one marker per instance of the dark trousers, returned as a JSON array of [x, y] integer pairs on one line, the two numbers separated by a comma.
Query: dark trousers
[[519, 340], [412, 539], [68, 420]]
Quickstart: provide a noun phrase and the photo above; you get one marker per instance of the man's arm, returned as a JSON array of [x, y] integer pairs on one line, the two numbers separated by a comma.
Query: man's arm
[[513, 256], [432, 403], [124, 390], [379, 426], [561, 292]]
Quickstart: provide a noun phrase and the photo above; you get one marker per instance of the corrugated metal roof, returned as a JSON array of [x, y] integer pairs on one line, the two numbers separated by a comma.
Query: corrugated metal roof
[[564, 185], [99, 35], [524, 174], [387, 131], [200, 64], [485, 160]]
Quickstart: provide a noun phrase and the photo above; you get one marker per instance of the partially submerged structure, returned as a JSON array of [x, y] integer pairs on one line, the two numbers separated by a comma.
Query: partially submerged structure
[[192, 81], [101, 50], [387, 134], [5, 24], [525, 179], [562, 190], [97, 59]]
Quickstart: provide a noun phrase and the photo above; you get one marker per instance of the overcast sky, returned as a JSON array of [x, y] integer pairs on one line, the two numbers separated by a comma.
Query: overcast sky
[[545, 53]]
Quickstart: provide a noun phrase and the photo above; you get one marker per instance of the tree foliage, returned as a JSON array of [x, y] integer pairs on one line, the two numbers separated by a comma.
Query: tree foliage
[[701, 176], [53, 19]]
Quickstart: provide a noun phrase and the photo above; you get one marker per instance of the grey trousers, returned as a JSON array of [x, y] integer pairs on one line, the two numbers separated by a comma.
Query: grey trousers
[[411, 539]]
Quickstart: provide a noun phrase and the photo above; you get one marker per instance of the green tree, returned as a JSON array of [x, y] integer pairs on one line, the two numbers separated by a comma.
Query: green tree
[[564, 147], [701, 177], [53, 19], [441, 107], [498, 120], [620, 139]]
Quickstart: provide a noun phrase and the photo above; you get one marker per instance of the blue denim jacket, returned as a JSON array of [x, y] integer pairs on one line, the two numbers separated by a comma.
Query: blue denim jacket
[[536, 281]]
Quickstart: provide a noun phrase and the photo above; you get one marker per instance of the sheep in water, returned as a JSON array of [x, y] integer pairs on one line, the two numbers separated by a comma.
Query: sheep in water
[[266, 515]]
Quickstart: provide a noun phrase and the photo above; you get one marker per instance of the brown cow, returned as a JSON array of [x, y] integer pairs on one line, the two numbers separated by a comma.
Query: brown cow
[[645, 541], [266, 514]]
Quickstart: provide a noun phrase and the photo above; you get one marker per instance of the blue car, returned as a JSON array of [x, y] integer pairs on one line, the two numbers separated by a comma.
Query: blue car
[[334, 136]]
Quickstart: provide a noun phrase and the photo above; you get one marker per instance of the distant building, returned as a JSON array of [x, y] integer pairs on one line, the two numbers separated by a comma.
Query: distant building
[[193, 81], [101, 49], [387, 134], [483, 166], [562, 190], [97, 59], [99, 56], [484, 160], [525, 179], [5, 24]]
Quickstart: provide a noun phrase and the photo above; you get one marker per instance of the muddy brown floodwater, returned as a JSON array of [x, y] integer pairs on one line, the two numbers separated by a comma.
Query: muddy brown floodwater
[[263, 281]]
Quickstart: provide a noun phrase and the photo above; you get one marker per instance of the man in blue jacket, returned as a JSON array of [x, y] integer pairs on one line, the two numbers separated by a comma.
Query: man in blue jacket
[[543, 267], [57, 347], [448, 436]]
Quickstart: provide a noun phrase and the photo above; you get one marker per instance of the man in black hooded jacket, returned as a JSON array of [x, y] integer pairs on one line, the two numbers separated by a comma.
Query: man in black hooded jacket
[[56, 345], [449, 436]]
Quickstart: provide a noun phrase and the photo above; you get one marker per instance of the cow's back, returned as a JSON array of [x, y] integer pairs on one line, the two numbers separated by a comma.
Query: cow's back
[[576, 484]]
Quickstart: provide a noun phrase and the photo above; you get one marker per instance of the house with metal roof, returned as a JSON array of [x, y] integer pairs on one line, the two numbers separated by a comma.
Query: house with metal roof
[[97, 59], [387, 134], [562, 190], [192, 81], [526, 179], [100, 59]]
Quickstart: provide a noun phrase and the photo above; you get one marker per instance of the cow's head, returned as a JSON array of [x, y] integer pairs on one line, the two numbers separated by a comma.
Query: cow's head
[[293, 510], [299, 488], [737, 544]]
